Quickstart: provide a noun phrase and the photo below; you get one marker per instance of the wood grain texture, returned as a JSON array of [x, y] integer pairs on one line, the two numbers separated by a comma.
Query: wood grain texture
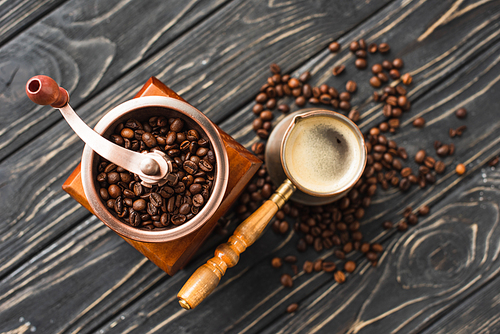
[[17, 15], [259, 309], [57, 157], [426, 273], [85, 46]]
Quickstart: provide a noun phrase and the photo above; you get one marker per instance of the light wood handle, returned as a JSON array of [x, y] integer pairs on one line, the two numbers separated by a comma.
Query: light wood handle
[[206, 278]]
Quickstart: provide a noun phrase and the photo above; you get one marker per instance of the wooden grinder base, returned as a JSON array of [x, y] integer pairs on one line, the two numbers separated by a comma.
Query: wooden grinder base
[[173, 255]]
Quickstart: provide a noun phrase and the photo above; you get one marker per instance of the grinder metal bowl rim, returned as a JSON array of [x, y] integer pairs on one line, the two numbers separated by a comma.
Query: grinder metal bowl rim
[[355, 130], [219, 185]]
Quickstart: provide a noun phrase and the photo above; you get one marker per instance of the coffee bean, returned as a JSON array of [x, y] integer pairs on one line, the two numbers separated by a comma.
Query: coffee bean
[[424, 210], [338, 69], [286, 280], [439, 167], [354, 46], [394, 74], [461, 113], [354, 115], [460, 130], [328, 266], [360, 63], [384, 47], [300, 101], [276, 262], [372, 48], [339, 277], [397, 63], [429, 162], [304, 77], [375, 82], [406, 79], [460, 169], [387, 225], [351, 86], [420, 156], [283, 227], [334, 47], [419, 122], [443, 150], [275, 68], [350, 266], [292, 308], [493, 162]]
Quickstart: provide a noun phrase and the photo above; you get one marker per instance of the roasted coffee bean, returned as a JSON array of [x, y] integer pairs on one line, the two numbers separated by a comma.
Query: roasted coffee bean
[[429, 162], [328, 266], [406, 79], [439, 167], [338, 69], [286, 280], [360, 63], [372, 48], [350, 266], [461, 113], [354, 115], [419, 122], [397, 63], [351, 86], [387, 225], [460, 130], [420, 156], [384, 47], [339, 277], [354, 46], [334, 47], [443, 150], [375, 82], [292, 308], [460, 169], [424, 210], [377, 68]]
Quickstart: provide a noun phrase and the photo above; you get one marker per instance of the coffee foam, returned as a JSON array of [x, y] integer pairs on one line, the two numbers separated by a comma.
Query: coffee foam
[[322, 154]]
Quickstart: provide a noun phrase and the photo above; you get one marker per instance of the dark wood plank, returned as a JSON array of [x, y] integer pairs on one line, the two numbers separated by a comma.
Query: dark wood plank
[[57, 161], [271, 300], [61, 151], [424, 273], [17, 15], [85, 46], [242, 297], [478, 314]]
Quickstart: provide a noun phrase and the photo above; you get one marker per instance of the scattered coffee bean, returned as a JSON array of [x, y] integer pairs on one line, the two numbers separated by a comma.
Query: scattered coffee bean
[[350, 266], [424, 210], [419, 122], [286, 280], [460, 169], [384, 47], [276, 262], [334, 47], [338, 69], [292, 308], [461, 113], [339, 277]]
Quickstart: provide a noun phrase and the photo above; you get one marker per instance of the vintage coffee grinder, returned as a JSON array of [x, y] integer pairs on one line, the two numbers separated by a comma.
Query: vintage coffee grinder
[[168, 248]]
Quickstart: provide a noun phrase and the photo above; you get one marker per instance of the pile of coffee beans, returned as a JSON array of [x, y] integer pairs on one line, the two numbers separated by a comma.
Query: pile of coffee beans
[[336, 226], [177, 201]]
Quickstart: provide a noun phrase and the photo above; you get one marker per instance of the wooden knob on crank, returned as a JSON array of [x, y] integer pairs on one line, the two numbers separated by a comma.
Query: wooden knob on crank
[[206, 278], [43, 90]]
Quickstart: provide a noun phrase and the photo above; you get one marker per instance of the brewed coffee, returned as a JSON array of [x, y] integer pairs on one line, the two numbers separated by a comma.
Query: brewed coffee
[[322, 154]]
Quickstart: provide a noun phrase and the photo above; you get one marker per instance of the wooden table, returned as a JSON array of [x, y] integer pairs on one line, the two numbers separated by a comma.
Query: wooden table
[[63, 271]]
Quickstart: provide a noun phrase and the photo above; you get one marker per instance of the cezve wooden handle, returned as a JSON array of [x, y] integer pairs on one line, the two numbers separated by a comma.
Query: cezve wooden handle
[[206, 278]]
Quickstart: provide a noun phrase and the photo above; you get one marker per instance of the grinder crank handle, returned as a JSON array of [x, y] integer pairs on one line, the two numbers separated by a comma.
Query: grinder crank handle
[[152, 167], [206, 278]]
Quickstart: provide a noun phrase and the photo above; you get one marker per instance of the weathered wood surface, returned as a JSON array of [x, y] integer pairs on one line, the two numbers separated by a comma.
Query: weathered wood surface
[[85, 46], [63, 271], [56, 151]]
